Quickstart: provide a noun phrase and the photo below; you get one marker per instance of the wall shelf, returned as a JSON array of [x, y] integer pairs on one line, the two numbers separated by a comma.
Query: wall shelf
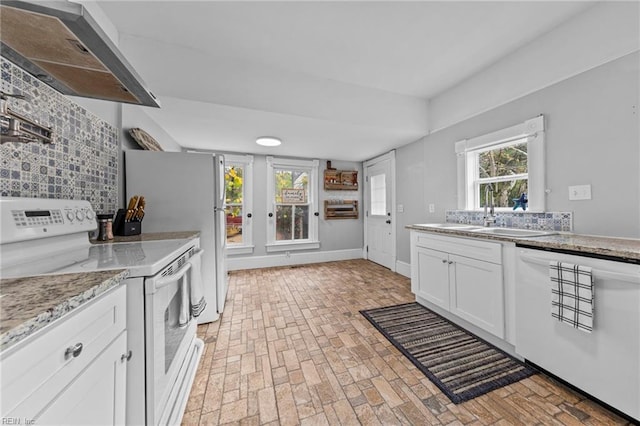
[[340, 180], [340, 209]]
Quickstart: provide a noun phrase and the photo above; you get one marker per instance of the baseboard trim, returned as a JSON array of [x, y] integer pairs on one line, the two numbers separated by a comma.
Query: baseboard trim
[[403, 268], [238, 263]]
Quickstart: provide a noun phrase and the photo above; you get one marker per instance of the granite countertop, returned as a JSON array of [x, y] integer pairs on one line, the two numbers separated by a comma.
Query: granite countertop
[[28, 304], [150, 236], [624, 249]]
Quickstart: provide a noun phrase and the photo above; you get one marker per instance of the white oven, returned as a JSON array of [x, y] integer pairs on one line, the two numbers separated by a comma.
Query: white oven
[[170, 332], [46, 236]]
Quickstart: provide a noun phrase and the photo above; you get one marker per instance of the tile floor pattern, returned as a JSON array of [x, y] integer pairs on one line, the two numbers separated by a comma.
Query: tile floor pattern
[[292, 348]]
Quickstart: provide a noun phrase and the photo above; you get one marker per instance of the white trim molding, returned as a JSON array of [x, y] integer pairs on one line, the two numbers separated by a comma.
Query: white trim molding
[[246, 162], [403, 268], [533, 131], [254, 262]]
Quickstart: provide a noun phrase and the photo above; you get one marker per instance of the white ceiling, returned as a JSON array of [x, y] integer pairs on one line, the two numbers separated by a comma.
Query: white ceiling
[[334, 80]]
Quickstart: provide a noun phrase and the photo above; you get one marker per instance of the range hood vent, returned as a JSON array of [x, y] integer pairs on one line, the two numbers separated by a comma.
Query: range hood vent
[[63, 46]]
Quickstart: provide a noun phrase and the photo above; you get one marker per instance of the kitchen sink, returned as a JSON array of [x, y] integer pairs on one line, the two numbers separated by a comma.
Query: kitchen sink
[[513, 232]]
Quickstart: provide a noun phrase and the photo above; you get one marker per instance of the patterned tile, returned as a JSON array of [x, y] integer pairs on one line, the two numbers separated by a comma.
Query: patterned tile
[[548, 221], [84, 147]]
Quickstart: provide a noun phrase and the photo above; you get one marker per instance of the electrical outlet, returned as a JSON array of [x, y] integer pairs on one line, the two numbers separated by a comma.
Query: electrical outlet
[[580, 192], [432, 208], [400, 208]]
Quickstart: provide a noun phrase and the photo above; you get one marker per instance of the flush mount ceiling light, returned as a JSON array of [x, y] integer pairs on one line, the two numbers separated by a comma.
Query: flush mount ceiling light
[[268, 141]]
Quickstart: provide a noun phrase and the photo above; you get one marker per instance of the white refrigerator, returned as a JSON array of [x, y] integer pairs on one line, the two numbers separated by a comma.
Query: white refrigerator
[[185, 192]]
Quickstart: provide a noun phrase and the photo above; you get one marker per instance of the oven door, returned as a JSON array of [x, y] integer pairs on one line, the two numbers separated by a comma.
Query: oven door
[[170, 333]]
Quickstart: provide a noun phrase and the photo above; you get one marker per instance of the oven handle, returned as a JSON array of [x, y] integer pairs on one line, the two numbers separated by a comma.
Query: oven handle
[[163, 282]]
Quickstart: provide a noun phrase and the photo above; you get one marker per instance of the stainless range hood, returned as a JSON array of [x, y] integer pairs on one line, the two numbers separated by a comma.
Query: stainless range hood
[[62, 45]]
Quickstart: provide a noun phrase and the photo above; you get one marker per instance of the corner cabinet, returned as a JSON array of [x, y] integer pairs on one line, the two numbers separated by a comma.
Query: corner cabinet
[[72, 371], [461, 276]]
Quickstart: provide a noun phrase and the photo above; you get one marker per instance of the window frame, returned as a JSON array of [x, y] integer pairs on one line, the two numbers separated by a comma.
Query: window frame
[[246, 162], [466, 150], [312, 242]]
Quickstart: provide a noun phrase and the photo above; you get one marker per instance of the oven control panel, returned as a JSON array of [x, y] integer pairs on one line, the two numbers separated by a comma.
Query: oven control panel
[[30, 218]]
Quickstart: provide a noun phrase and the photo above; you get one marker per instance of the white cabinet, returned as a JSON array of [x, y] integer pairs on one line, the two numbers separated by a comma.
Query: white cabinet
[[72, 371], [462, 276]]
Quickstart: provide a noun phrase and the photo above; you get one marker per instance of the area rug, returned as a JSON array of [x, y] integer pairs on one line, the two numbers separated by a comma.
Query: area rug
[[462, 365]]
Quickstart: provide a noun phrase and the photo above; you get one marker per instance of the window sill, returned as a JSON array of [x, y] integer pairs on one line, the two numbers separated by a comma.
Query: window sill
[[290, 246], [235, 250]]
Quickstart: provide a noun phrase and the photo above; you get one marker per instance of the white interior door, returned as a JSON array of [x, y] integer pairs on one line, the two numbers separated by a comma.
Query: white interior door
[[380, 229]]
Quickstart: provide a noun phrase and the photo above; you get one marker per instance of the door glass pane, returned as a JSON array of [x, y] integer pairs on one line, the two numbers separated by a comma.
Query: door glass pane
[[284, 222], [234, 193], [233, 214], [378, 195]]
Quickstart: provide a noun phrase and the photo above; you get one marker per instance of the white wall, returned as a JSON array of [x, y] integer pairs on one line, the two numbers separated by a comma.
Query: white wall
[[592, 137], [600, 34]]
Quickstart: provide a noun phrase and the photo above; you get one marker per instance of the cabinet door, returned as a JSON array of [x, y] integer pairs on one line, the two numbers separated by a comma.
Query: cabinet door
[[433, 276], [477, 293], [97, 396]]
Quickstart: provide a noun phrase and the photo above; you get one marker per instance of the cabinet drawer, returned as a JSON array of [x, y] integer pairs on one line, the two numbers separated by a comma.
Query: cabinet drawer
[[37, 370], [467, 247]]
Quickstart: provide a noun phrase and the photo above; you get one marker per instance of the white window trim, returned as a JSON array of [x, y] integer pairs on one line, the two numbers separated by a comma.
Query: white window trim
[[310, 243], [247, 246], [533, 131]]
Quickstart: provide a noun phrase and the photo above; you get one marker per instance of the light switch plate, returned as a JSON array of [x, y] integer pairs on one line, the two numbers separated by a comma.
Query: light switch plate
[[400, 208], [432, 208], [580, 192]]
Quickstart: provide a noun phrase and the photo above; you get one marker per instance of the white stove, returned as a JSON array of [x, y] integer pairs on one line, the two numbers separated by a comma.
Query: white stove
[[49, 236]]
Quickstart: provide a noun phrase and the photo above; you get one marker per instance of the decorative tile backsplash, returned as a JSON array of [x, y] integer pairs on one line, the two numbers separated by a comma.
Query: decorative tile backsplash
[[548, 221], [82, 161]]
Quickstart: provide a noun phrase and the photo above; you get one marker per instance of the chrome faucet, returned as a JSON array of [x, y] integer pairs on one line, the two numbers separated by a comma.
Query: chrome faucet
[[490, 217]]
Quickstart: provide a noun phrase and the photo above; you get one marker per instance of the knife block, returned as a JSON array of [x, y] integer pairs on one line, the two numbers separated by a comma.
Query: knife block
[[124, 228]]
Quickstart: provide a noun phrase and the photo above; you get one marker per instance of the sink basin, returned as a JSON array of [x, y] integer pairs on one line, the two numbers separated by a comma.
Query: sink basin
[[448, 225], [513, 232]]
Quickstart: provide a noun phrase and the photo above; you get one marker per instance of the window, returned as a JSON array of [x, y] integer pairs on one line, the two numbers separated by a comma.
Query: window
[[506, 163], [378, 195], [293, 200], [238, 176]]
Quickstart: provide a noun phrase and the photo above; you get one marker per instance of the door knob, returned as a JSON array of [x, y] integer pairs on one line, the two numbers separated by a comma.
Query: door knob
[[249, 215], [388, 221], [270, 214]]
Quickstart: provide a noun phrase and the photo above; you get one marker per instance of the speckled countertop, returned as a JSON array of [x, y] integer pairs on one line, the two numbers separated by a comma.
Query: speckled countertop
[[150, 236], [30, 303], [624, 249]]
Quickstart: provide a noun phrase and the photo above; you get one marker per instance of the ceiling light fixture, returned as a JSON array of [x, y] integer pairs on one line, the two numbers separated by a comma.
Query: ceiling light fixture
[[268, 141]]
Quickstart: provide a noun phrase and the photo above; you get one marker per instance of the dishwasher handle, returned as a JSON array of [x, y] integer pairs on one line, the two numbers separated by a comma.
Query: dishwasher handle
[[598, 273]]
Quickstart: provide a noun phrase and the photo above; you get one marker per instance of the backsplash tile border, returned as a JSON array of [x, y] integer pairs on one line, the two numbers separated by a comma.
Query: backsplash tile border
[[547, 221], [80, 164]]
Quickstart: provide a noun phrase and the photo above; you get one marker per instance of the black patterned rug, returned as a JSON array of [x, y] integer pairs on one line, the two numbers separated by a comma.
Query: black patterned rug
[[462, 365]]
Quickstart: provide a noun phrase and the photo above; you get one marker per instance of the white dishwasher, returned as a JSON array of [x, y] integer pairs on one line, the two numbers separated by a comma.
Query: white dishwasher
[[604, 363]]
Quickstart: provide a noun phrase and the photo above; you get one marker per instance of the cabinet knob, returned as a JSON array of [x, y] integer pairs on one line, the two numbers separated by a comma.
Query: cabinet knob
[[73, 351], [126, 357]]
